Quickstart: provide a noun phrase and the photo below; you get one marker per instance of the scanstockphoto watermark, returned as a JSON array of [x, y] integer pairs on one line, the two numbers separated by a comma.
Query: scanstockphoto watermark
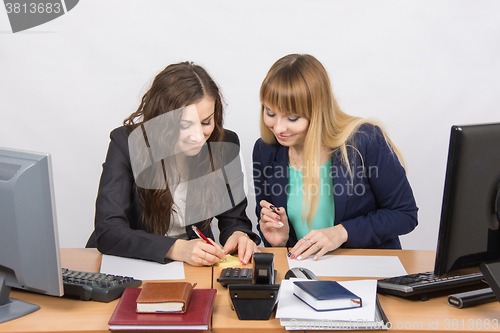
[[338, 325], [437, 324], [346, 181], [279, 171], [337, 189], [25, 15]]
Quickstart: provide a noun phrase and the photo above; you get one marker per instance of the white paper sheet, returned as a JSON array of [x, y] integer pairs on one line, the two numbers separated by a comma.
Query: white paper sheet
[[352, 266], [142, 269], [291, 307]]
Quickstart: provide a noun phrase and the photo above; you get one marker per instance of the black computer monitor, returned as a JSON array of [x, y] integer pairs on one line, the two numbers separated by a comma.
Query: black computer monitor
[[491, 272], [29, 248], [469, 229]]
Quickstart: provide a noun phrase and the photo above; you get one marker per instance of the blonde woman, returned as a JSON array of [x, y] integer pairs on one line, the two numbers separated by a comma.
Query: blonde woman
[[324, 179]]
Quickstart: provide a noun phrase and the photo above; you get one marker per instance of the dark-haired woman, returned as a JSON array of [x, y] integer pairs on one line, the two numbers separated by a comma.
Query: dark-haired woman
[[172, 165]]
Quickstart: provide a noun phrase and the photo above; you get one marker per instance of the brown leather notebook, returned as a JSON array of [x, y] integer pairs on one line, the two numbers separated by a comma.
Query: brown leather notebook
[[170, 297]]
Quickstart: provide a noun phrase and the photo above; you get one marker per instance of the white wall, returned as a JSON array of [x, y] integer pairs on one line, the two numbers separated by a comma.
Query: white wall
[[418, 66]]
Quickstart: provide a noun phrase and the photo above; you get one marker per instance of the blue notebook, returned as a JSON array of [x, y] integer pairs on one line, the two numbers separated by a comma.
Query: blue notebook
[[325, 295]]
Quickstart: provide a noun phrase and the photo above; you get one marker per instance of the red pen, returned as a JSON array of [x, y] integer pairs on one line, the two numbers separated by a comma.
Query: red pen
[[202, 236]]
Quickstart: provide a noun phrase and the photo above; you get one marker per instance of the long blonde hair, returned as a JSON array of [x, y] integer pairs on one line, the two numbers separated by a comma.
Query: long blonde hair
[[299, 84]]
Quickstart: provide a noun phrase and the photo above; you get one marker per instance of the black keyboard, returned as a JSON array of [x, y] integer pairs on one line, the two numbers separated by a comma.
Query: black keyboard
[[96, 286], [422, 283]]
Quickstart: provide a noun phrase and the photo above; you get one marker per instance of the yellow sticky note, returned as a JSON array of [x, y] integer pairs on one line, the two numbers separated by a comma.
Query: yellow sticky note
[[231, 261]]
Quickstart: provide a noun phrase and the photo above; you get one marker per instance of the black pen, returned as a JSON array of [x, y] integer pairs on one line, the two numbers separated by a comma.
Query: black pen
[[275, 211]]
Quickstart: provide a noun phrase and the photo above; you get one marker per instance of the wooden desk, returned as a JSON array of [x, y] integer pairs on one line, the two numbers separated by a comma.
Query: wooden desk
[[225, 320], [69, 315], [434, 315], [406, 315], [73, 315]]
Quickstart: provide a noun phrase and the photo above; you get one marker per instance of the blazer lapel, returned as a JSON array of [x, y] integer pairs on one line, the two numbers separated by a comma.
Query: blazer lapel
[[279, 186], [340, 179], [279, 180]]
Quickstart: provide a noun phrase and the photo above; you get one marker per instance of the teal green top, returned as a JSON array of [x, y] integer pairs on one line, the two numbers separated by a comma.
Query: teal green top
[[325, 214]]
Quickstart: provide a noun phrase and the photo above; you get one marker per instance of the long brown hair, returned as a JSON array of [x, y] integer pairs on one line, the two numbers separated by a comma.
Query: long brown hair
[[299, 84], [177, 86]]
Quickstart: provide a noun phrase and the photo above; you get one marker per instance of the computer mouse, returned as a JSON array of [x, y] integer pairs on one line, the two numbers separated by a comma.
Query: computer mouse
[[300, 273]]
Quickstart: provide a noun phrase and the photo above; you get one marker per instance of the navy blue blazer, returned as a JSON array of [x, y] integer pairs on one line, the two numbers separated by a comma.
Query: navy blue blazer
[[375, 207]]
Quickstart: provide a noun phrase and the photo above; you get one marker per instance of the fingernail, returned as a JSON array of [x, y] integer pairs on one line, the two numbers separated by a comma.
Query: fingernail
[[272, 208], [244, 263], [299, 258], [292, 256], [277, 217], [280, 225], [315, 257], [289, 254]]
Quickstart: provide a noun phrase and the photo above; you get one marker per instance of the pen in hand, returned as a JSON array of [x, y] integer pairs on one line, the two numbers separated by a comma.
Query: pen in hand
[[202, 236], [275, 210]]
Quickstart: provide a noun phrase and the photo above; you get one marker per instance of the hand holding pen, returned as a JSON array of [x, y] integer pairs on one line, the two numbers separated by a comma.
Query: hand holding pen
[[218, 254], [238, 241], [274, 223]]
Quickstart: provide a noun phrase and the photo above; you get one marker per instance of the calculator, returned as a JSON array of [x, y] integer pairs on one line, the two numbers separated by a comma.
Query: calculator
[[235, 275]]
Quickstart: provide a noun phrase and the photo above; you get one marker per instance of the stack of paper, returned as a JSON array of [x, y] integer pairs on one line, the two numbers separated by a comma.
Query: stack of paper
[[296, 315], [142, 269], [352, 266]]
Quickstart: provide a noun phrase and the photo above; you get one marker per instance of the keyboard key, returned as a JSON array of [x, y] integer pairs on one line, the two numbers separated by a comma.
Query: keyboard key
[[421, 283], [96, 286]]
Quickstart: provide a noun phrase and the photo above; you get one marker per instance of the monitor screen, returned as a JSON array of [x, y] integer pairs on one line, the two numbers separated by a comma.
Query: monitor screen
[[469, 229], [29, 248]]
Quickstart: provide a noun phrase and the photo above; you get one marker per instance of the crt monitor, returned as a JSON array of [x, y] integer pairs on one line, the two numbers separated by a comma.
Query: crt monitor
[[469, 229], [29, 248]]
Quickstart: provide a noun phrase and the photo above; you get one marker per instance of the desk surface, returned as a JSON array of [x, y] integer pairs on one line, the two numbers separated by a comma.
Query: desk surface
[[73, 315], [70, 315]]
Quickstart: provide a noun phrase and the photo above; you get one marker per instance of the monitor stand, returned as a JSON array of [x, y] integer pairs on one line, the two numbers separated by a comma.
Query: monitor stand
[[11, 308]]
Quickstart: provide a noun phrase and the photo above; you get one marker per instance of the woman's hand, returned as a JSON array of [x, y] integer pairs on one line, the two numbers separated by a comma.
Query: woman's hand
[[320, 241], [196, 252], [245, 246], [274, 224]]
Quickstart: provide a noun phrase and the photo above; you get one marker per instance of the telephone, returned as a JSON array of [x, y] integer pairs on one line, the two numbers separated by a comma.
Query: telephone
[[256, 301]]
